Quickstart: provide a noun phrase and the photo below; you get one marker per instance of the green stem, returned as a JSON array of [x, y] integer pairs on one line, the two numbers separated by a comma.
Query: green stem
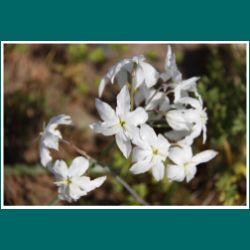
[[132, 97], [54, 201]]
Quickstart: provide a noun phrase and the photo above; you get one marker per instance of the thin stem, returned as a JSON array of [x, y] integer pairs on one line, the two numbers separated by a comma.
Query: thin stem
[[126, 186], [54, 201], [132, 89], [108, 168], [132, 97]]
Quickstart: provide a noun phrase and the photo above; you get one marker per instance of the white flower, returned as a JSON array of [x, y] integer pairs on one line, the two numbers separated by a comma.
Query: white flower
[[181, 119], [150, 153], [185, 163], [154, 99], [50, 137], [141, 73], [122, 123], [189, 122], [182, 88], [70, 180], [171, 70], [198, 117]]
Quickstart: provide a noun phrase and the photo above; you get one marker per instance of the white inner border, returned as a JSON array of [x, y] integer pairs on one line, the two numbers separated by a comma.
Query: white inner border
[[121, 207]]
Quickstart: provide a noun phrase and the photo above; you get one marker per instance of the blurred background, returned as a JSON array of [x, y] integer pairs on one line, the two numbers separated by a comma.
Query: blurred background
[[43, 80]]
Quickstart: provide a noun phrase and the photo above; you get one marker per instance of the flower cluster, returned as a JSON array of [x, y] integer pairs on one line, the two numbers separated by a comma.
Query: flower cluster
[[161, 100], [70, 180], [155, 122]]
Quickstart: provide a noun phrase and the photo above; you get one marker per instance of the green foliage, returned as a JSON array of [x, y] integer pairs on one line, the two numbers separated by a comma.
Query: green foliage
[[119, 48], [152, 55], [225, 97], [179, 57], [21, 48], [227, 188], [224, 92], [97, 55], [77, 52], [82, 88]]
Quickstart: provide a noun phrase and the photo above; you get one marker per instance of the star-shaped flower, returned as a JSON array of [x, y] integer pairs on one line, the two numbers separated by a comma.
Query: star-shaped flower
[[122, 123], [70, 180], [185, 163], [150, 153]]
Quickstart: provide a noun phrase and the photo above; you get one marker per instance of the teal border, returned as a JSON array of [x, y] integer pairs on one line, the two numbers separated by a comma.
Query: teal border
[[129, 20]]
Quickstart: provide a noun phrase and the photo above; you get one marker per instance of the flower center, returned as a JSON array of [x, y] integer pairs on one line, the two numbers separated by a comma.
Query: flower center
[[68, 181], [186, 166], [155, 151], [122, 123]]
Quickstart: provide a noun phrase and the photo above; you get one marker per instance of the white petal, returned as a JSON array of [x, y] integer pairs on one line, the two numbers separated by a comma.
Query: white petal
[[132, 132], [175, 173], [110, 76], [204, 128], [78, 167], [140, 154], [117, 68], [140, 167], [98, 182], [75, 192], [178, 120], [158, 170], [122, 77], [105, 128], [204, 156], [137, 117], [123, 143], [180, 155], [148, 135], [191, 101], [138, 78], [123, 102], [88, 185], [141, 94], [190, 172], [60, 169], [151, 76], [171, 67], [164, 104], [58, 120], [102, 85], [63, 193], [50, 140], [163, 144], [182, 88], [153, 99], [189, 84], [104, 110], [195, 132], [44, 155]]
